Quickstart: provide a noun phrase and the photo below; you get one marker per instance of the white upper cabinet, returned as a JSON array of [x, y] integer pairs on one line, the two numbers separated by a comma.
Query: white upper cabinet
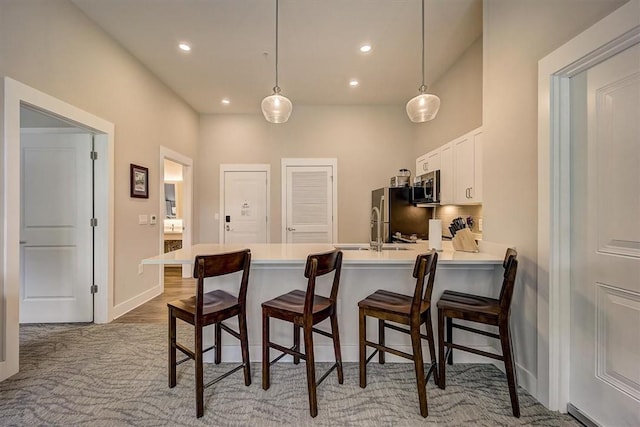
[[460, 165], [428, 162], [467, 168], [446, 174]]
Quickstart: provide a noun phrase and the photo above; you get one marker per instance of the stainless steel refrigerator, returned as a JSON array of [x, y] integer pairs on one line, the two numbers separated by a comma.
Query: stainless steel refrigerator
[[400, 219]]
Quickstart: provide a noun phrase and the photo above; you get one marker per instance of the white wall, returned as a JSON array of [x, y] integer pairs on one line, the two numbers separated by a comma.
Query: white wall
[[371, 144], [460, 92], [516, 35], [52, 46]]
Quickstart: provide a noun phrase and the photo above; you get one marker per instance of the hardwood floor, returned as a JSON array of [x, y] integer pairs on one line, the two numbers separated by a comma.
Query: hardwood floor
[[155, 311]]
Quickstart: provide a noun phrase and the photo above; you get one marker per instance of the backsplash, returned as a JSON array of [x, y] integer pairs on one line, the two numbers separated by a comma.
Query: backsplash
[[447, 213]]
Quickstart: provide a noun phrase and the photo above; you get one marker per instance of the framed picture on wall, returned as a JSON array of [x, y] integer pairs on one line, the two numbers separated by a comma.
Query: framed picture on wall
[[139, 181]]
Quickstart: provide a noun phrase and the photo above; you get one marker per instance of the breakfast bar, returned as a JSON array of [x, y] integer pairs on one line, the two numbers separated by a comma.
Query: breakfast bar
[[277, 268]]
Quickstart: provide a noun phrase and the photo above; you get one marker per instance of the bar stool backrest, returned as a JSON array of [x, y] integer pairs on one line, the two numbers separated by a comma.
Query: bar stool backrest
[[425, 267], [220, 265], [319, 265], [510, 265]]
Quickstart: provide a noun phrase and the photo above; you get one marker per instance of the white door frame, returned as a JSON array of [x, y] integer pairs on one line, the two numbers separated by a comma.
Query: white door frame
[[604, 39], [15, 94], [333, 163], [243, 167], [187, 197]]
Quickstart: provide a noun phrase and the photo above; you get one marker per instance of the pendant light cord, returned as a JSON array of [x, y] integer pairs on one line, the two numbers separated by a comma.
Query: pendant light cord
[[275, 88], [423, 88]]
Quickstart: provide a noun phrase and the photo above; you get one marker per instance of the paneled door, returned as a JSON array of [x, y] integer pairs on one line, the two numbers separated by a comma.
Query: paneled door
[[245, 202], [308, 197], [56, 244], [605, 249]]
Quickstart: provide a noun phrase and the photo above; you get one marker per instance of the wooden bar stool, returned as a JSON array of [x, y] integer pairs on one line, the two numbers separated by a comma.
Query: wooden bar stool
[[211, 308], [489, 311], [304, 310], [412, 311]]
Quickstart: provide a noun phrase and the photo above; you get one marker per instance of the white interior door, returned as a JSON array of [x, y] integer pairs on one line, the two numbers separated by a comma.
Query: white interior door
[[55, 236], [309, 204], [605, 284], [245, 206]]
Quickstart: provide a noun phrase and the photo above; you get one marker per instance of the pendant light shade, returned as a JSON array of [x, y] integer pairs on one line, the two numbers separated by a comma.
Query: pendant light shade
[[276, 108], [425, 106]]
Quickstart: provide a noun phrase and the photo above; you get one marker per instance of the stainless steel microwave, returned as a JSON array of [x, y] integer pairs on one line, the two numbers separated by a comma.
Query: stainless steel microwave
[[426, 188]]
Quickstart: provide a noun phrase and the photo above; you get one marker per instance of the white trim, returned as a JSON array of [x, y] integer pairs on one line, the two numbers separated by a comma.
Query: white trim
[[333, 163], [15, 95], [187, 213], [243, 167], [137, 301], [604, 39]]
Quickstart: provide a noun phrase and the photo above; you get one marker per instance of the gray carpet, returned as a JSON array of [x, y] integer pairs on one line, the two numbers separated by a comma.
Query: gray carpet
[[116, 374]]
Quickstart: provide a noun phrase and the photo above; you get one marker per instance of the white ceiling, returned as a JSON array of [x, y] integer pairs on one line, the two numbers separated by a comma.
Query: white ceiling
[[233, 46]]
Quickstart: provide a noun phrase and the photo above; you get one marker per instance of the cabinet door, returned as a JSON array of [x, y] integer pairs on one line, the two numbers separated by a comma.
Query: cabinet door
[[463, 169], [433, 160], [446, 174], [421, 165]]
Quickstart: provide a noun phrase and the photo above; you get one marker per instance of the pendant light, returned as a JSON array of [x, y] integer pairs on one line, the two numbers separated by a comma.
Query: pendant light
[[276, 108], [425, 106]]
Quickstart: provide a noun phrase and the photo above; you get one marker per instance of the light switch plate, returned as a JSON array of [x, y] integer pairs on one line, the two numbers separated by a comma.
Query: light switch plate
[[142, 219], [153, 219]]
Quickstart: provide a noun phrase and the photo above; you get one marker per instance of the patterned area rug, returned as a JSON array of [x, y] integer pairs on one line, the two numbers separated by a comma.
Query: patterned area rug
[[116, 375]]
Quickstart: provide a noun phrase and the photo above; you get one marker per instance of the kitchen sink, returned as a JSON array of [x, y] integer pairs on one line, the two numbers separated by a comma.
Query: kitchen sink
[[367, 248]]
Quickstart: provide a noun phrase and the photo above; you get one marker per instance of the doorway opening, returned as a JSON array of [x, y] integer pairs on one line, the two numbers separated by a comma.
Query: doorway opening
[[16, 96], [57, 256], [176, 207]]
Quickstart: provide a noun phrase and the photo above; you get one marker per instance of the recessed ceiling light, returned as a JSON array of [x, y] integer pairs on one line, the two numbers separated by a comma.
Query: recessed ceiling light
[[225, 101], [365, 48], [185, 47], [353, 83]]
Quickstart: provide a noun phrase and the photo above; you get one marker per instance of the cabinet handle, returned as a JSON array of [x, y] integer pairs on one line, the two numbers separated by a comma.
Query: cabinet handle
[[291, 229], [470, 192], [425, 166]]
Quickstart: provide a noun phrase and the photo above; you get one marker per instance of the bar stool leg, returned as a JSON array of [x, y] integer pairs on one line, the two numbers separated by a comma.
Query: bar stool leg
[[311, 370], [336, 346], [381, 340], [509, 365], [450, 338], [441, 350], [416, 341], [296, 343], [244, 346], [218, 344], [199, 378], [265, 352], [172, 349], [362, 337], [432, 348]]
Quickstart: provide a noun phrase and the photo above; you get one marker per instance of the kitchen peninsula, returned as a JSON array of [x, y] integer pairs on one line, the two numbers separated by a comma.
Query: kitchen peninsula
[[277, 268]]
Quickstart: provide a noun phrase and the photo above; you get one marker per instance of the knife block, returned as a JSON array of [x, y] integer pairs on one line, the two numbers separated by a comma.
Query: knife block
[[464, 241]]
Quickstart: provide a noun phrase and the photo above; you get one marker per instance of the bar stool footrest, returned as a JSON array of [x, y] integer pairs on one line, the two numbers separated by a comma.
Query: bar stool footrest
[[225, 375]]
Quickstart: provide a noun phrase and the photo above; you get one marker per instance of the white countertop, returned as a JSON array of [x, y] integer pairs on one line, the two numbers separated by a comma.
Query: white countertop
[[296, 253]]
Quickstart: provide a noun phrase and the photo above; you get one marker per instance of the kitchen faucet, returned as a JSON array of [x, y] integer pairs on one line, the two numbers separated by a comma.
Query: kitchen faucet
[[375, 221]]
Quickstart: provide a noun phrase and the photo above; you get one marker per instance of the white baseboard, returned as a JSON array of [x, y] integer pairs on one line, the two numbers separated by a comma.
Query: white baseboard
[[136, 301]]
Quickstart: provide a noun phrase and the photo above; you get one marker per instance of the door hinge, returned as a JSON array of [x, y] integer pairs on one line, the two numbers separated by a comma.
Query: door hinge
[[94, 289], [94, 155], [93, 222]]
